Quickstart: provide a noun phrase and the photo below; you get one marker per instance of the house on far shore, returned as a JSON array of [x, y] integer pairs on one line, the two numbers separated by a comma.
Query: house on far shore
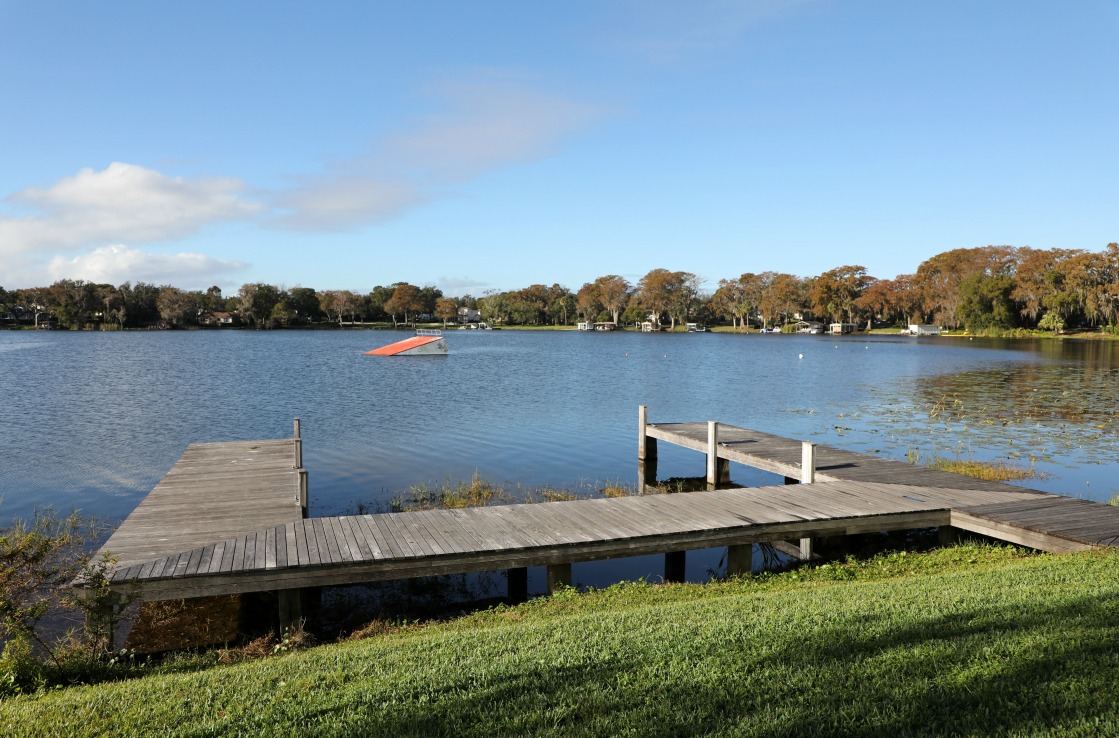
[[840, 328], [809, 326], [219, 319], [921, 329], [468, 315]]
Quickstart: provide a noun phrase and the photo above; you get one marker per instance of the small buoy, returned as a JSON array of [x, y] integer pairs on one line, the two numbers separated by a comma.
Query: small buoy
[[866, 347], [800, 356], [627, 354], [837, 345]]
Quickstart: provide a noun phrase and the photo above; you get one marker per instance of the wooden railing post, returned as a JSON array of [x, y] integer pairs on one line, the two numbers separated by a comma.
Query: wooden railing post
[[303, 490], [646, 452], [807, 476], [642, 438], [712, 454], [807, 462], [297, 442]]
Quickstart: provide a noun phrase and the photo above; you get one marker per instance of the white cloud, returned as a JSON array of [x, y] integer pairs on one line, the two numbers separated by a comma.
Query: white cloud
[[119, 263], [122, 202], [488, 122]]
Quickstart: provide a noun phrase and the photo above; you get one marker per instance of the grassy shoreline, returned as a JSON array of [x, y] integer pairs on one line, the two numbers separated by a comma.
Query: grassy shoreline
[[962, 641]]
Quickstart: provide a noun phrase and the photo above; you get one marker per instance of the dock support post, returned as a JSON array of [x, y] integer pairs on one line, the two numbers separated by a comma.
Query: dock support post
[[947, 536], [674, 566], [807, 476], [646, 452], [303, 490], [740, 559], [297, 442], [518, 584], [559, 575], [718, 470], [291, 609]]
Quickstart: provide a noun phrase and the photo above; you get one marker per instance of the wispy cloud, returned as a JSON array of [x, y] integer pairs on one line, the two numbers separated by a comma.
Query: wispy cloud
[[123, 202], [459, 286], [486, 123], [670, 31], [118, 263]]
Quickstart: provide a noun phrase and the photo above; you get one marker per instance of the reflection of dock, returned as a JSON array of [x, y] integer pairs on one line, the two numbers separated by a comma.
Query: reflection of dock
[[226, 519]]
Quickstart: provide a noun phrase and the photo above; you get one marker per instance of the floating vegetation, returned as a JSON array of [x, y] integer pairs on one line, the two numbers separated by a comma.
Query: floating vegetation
[[479, 492], [992, 471], [1035, 412]]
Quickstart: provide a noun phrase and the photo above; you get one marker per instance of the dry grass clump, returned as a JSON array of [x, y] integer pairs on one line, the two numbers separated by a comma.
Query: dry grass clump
[[992, 471]]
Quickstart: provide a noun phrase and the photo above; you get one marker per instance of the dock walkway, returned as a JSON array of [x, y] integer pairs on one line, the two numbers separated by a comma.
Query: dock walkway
[[228, 519]]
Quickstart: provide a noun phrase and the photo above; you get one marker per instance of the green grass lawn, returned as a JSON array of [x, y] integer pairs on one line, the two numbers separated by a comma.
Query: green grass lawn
[[963, 641]]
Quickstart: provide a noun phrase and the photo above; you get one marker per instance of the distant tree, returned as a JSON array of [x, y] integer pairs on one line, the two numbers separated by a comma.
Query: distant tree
[[613, 293], [938, 279], [835, 292], [634, 313], [561, 307], [662, 292], [303, 303], [787, 296], [406, 300], [429, 295], [375, 302], [113, 307], [212, 301], [588, 302], [350, 305], [446, 309], [891, 299], [73, 301], [257, 302], [494, 306], [177, 307], [985, 302], [725, 300], [1051, 322], [330, 305]]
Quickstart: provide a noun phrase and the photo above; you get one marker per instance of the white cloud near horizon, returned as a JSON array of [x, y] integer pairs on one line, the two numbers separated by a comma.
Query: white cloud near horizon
[[123, 202], [486, 123], [118, 263]]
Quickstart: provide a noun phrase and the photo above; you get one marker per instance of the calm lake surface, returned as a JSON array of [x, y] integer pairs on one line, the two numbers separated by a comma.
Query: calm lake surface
[[94, 420]]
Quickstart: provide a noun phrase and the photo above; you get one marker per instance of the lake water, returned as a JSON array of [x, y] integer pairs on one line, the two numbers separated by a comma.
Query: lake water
[[94, 420]]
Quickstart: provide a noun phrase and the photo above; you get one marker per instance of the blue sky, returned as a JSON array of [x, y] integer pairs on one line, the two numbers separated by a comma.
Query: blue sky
[[492, 145]]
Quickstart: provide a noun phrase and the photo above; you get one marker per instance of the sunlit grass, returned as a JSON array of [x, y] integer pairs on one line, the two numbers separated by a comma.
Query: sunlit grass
[[964, 641]]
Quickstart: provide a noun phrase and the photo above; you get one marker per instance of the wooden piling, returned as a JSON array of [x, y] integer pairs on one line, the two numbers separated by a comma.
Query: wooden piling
[[807, 476], [291, 609], [518, 584], [674, 566], [740, 559], [559, 575]]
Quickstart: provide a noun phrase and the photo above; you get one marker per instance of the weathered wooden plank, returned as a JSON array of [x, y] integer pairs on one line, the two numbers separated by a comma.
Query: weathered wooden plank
[[340, 536]]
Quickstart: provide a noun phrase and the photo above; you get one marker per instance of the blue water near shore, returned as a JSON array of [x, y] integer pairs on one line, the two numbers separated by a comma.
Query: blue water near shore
[[94, 420]]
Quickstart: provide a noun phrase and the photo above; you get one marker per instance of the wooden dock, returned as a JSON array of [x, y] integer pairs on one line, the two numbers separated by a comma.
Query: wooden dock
[[213, 492], [229, 518]]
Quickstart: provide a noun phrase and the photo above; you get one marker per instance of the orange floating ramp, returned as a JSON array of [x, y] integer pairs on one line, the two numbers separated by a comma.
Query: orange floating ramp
[[421, 345]]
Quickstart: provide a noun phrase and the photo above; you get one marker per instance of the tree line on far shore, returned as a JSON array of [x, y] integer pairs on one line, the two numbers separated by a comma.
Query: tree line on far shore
[[985, 288]]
